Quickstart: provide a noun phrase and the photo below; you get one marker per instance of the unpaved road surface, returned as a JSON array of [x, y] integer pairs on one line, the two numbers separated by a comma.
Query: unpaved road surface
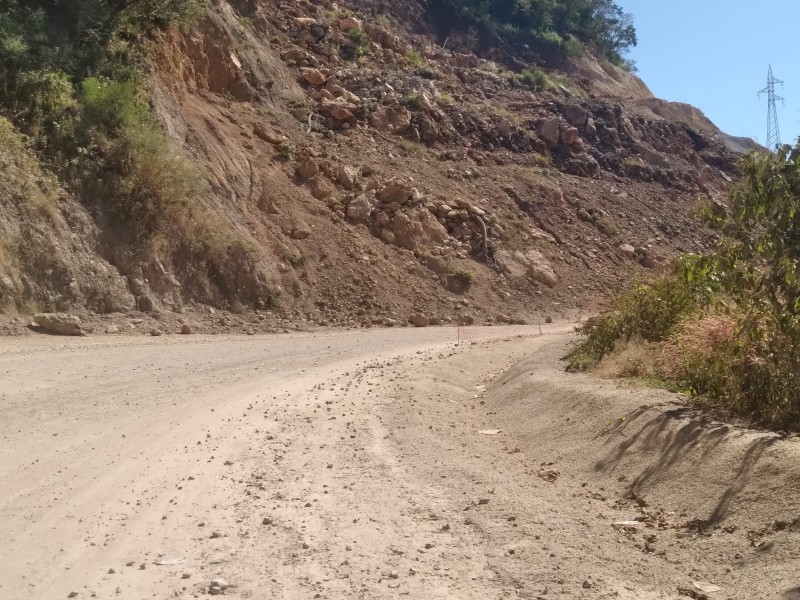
[[380, 464]]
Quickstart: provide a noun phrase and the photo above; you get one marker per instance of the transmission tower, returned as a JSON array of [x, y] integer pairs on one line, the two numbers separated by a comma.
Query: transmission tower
[[773, 132]]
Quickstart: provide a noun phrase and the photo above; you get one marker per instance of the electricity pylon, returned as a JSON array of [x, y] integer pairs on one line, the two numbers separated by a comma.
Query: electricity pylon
[[773, 131]]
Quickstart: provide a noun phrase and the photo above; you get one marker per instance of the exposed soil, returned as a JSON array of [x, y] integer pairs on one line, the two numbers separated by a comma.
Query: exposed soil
[[357, 184], [372, 465]]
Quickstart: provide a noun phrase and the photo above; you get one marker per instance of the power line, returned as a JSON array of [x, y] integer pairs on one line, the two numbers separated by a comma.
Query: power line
[[773, 131]]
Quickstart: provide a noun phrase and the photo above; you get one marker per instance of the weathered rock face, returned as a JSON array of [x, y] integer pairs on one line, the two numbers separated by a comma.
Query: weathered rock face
[[333, 98], [59, 323]]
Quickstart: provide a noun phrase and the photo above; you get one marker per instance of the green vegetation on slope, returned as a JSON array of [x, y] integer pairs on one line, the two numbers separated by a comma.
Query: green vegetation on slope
[[566, 24], [71, 80], [726, 326]]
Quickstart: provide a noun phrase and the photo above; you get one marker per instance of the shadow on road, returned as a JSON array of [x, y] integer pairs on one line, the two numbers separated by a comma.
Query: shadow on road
[[672, 433]]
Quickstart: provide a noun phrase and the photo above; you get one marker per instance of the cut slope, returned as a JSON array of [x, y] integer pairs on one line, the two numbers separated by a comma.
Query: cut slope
[[358, 173]]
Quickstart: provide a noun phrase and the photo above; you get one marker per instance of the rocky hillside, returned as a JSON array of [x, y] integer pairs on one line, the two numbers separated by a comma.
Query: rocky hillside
[[356, 165]]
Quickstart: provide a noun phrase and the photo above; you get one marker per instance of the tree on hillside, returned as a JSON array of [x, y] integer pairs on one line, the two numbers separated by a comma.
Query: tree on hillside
[[600, 24]]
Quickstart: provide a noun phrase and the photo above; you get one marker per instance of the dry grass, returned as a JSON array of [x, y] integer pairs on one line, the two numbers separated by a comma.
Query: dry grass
[[695, 343], [34, 191], [412, 149], [635, 358]]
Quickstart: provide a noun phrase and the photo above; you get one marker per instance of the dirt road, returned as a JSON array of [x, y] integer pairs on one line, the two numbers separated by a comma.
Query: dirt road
[[373, 464]]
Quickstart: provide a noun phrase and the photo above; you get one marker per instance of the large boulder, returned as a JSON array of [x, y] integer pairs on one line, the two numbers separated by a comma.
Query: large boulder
[[570, 136], [391, 119], [628, 251], [550, 132], [338, 109], [384, 37], [347, 177], [319, 187], [420, 320], [314, 76], [360, 208], [434, 231], [530, 263], [395, 190], [539, 269], [59, 323], [350, 24], [575, 115], [307, 169], [407, 231]]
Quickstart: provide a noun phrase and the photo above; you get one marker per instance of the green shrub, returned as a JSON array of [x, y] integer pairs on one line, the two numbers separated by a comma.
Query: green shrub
[[650, 311], [48, 98], [151, 179], [111, 105], [532, 78], [415, 59], [286, 151], [146, 15], [413, 100], [137, 172], [411, 148], [361, 42], [296, 260], [465, 276], [445, 99], [548, 37], [574, 47], [727, 324]]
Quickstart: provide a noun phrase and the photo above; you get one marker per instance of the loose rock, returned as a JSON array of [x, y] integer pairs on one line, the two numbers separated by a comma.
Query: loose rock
[[59, 323], [420, 320]]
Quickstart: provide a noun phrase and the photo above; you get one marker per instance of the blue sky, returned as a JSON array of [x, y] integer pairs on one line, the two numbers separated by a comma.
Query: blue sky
[[714, 54]]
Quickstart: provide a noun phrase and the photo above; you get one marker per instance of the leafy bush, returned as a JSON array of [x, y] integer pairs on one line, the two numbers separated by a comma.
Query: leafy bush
[[650, 311], [574, 47], [147, 15], [111, 105], [296, 260], [71, 76], [727, 323]]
